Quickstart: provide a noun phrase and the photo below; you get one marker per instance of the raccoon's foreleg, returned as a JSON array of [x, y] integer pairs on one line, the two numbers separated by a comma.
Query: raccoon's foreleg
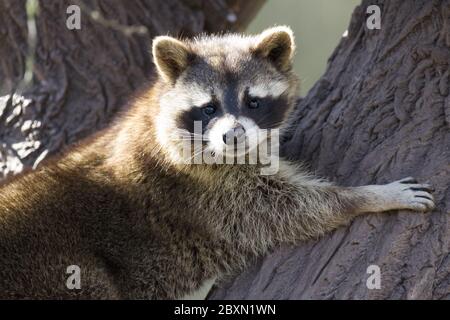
[[317, 208]]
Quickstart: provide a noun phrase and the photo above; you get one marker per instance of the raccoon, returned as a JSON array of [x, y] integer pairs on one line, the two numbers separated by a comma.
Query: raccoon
[[127, 215]]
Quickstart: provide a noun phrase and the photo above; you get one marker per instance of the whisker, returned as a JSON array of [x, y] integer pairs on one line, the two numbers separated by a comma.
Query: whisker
[[195, 154], [188, 139]]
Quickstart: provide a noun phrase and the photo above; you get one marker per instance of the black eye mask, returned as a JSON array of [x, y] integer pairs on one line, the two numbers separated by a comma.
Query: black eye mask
[[269, 113]]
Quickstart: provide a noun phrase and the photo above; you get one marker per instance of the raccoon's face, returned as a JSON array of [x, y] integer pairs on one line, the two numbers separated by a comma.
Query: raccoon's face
[[223, 92]]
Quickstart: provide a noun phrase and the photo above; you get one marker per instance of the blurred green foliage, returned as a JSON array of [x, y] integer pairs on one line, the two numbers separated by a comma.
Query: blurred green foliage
[[318, 26]]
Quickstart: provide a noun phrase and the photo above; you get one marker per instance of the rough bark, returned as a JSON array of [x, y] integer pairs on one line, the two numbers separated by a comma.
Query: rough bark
[[380, 112], [82, 77]]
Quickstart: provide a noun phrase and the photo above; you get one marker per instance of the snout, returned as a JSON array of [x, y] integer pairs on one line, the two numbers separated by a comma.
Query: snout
[[231, 135], [234, 135]]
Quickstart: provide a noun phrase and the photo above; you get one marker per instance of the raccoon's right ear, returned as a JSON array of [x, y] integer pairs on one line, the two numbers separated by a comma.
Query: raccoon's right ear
[[171, 57]]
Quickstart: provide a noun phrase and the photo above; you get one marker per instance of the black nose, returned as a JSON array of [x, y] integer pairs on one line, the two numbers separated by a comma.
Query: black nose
[[234, 135]]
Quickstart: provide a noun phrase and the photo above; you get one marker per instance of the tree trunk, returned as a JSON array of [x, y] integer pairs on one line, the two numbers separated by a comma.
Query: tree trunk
[[82, 77], [380, 112]]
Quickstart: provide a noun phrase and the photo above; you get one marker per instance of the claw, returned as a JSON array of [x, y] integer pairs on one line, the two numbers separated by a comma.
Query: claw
[[423, 189], [424, 197], [408, 180]]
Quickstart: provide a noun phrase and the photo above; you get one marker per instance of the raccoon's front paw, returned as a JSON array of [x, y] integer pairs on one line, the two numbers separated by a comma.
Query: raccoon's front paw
[[407, 193]]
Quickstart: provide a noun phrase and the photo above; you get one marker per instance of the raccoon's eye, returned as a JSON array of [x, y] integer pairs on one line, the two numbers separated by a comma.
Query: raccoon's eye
[[209, 109], [253, 103]]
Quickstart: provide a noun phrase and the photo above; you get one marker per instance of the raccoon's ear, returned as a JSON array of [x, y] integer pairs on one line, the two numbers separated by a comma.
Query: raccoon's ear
[[277, 44], [171, 57]]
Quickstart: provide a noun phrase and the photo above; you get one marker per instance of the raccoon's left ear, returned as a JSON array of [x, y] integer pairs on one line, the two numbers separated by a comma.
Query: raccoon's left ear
[[277, 44], [171, 57]]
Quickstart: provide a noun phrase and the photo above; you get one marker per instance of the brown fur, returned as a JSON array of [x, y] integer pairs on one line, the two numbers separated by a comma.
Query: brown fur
[[141, 226]]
